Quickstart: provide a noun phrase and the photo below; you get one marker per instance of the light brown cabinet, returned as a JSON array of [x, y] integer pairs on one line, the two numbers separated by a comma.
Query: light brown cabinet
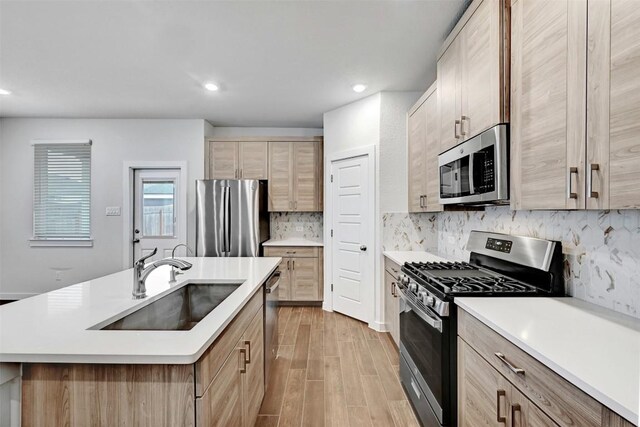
[[422, 153], [575, 104], [392, 306], [473, 73], [501, 385], [301, 272], [295, 176], [236, 159]]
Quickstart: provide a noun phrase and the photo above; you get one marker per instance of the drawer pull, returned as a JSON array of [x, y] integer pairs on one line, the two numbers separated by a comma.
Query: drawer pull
[[516, 408], [514, 369], [248, 344], [500, 418]]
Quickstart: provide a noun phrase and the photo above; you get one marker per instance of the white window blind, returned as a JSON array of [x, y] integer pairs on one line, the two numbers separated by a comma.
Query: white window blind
[[62, 190]]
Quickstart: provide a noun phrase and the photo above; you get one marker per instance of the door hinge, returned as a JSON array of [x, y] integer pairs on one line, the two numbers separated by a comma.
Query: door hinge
[[331, 177], [332, 232]]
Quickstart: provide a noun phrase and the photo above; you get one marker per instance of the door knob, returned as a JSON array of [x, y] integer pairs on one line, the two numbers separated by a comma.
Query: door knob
[[363, 248], [135, 241]]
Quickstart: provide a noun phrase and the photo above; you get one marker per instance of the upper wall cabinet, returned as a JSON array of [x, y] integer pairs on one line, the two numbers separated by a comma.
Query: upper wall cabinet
[[295, 176], [575, 112], [423, 149], [473, 74], [236, 159]]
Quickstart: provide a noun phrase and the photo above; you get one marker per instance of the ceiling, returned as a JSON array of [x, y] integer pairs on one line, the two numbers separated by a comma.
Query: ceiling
[[278, 63]]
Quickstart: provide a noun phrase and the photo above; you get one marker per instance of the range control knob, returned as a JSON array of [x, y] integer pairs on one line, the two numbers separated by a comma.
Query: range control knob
[[413, 287], [430, 301]]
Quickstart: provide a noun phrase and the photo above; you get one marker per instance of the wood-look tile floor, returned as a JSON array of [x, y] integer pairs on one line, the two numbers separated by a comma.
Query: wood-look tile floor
[[332, 370]]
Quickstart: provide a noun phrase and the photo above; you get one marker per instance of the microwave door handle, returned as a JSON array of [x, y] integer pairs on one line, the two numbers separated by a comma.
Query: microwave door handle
[[472, 189]]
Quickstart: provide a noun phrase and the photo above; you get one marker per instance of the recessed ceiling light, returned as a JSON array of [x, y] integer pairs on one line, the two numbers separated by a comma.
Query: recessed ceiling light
[[5, 92], [359, 88], [211, 86]]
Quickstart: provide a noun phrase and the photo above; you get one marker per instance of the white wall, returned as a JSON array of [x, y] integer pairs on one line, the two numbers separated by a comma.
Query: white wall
[[393, 149], [25, 270], [261, 131], [2, 179]]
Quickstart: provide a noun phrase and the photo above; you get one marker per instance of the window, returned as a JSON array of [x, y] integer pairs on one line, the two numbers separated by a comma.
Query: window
[[62, 193], [158, 204]]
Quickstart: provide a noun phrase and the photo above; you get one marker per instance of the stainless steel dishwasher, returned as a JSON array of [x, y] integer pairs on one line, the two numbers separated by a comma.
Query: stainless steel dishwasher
[[270, 323]]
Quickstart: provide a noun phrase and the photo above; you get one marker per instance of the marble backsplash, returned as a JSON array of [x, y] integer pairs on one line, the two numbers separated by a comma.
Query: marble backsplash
[[601, 248], [306, 225]]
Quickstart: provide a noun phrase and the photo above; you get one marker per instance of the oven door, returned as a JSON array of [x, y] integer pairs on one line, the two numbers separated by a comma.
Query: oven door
[[476, 171], [425, 347]]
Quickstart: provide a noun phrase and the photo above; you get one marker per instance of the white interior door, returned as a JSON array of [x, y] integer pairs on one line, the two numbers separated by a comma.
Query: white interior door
[[352, 248], [156, 205]]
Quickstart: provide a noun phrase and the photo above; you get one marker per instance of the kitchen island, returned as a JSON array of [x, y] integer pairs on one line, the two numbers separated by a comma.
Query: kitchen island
[[76, 374]]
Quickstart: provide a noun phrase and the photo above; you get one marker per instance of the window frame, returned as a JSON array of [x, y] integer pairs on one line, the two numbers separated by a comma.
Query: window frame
[[36, 241]]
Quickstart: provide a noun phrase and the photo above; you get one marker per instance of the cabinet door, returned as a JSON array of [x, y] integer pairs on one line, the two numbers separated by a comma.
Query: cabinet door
[[449, 96], [432, 150], [613, 114], [304, 279], [548, 80], [284, 288], [253, 160], [480, 52], [416, 158], [253, 378], [483, 394], [523, 413], [392, 313], [305, 160], [222, 403], [223, 160], [280, 176]]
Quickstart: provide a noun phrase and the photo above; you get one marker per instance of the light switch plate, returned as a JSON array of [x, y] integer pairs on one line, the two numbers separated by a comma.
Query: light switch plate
[[113, 211]]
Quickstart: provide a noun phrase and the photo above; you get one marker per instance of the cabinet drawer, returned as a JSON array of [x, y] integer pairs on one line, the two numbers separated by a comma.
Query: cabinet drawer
[[564, 403], [391, 267], [291, 251], [213, 358]]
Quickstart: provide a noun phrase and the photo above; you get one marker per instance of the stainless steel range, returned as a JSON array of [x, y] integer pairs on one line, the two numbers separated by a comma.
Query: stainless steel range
[[500, 265]]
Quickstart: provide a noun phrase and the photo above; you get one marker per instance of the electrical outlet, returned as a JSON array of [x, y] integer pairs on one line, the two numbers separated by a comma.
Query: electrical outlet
[[299, 228], [58, 276], [113, 211]]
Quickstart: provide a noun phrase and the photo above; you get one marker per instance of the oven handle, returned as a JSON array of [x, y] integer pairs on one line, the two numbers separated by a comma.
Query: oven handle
[[435, 323], [472, 189]]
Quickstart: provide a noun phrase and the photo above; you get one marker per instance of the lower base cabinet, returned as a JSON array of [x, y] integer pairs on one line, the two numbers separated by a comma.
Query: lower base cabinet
[[392, 301], [234, 396], [301, 273], [501, 385]]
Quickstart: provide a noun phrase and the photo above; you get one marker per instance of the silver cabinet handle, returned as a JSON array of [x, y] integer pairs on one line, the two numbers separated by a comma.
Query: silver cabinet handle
[[462, 119], [570, 194], [590, 193], [240, 173], [514, 369], [295, 205], [293, 264], [455, 129]]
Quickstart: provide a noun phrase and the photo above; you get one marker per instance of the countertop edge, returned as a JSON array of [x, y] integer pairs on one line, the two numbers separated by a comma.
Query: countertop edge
[[294, 242], [605, 400], [136, 359]]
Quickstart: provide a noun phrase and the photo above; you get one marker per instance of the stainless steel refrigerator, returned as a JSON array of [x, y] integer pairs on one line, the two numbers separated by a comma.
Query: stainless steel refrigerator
[[231, 217]]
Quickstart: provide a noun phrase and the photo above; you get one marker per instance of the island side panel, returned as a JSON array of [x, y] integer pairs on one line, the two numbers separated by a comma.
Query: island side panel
[[99, 395]]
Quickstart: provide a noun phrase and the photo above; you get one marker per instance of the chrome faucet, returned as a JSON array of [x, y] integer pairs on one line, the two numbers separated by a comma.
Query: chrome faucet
[[174, 272], [141, 272]]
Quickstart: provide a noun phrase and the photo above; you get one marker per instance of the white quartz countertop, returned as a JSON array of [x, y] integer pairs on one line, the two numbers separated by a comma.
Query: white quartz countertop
[[55, 327], [293, 241], [400, 257], [595, 349]]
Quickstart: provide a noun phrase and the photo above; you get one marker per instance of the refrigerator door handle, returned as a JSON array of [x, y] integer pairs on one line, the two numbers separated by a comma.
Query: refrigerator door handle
[[227, 217]]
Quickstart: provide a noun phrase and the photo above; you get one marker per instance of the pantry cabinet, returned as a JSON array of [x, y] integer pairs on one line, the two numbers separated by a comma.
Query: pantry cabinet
[[473, 73], [423, 149], [501, 385], [575, 111], [295, 176], [301, 272], [236, 159]]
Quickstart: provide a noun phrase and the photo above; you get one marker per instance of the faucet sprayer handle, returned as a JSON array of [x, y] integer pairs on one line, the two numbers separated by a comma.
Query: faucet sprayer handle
[[146, 257]]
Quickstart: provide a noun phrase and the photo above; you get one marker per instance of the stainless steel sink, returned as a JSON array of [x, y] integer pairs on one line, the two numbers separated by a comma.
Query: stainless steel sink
[[180, 310]]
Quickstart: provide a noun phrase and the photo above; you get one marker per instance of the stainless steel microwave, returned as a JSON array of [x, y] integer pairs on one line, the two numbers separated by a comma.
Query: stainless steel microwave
[[477, 170]]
